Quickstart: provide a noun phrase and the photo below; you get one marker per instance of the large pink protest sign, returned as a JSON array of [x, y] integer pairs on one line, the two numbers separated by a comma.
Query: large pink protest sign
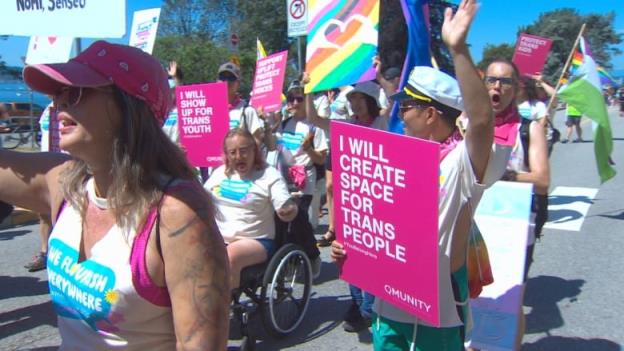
[[267, 87], [203, 122], [386, 215], [531, 53]]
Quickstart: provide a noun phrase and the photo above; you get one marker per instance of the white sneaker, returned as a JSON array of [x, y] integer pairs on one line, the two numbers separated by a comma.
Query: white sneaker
[[316, 267]]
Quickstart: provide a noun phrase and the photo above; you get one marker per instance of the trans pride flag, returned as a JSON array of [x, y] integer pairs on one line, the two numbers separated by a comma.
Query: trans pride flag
[[342, 41]]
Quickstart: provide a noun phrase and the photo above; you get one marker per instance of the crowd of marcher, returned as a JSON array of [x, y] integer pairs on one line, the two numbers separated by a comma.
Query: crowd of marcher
[[161, 244]]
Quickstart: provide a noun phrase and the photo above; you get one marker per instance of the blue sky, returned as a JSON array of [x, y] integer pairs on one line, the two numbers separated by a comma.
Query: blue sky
[[497, 22]]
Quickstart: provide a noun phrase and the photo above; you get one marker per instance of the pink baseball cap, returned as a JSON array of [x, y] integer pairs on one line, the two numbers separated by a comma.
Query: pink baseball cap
[[101, 64]]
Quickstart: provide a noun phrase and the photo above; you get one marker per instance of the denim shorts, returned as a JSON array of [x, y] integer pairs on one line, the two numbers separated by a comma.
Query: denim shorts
[[269, 246]]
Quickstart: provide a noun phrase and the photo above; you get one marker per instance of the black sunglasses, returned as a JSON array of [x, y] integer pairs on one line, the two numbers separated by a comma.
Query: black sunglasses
[[404, 107], [70, 95], [504, 81], [227, 78], [291, 98], [73, 95]]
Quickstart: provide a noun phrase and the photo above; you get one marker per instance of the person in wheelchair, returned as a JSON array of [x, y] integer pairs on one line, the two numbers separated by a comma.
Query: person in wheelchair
[[248, 193]]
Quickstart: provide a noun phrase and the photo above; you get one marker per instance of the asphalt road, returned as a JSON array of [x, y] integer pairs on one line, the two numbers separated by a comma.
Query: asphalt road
[[573, 299]]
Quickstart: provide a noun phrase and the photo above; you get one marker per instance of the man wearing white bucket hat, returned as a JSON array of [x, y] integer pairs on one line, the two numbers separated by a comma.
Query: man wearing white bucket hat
[[430, 103]]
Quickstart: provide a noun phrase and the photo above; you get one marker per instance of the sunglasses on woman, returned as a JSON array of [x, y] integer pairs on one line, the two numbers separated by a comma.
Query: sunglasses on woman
[[227, 78], [291, 98], [73, 95]]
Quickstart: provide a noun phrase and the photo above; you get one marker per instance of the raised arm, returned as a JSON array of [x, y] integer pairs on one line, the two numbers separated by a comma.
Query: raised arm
[[175, 72], [31, 180], [196, 271], [389, 87], [311, 112], [480, 132], [267, 131], [538, 160]]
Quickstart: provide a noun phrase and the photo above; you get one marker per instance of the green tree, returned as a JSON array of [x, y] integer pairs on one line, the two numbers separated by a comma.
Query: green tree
[[196, 33], [439, 51], [392, 34], [264, 20], [563, 26], [197, 57], [492, 52], [208, 19]]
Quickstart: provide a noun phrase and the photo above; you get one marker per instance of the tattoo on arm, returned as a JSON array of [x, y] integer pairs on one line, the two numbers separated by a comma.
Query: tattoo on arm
[[182, 229], [209, 298]]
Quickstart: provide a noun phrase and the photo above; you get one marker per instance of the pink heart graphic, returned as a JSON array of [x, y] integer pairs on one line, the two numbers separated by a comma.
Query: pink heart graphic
[[51, 40]]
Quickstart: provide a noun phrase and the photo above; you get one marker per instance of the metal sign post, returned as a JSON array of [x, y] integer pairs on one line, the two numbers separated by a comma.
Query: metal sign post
[[297, 15]]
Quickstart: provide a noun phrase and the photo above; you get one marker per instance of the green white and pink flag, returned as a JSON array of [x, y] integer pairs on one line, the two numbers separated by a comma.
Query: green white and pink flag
[[584, 92]]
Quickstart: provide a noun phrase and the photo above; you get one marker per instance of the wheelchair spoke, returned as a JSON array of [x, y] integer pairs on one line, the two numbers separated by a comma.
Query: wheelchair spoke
[[288, 292]]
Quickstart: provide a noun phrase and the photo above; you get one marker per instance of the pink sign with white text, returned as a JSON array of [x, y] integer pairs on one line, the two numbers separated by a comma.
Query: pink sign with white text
[[386, 215], [268, 82], [531, 53], [203, 121]]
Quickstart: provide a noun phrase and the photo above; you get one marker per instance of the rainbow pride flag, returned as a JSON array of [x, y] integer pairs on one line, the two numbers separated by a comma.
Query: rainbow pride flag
[[584, 92], [342, 41], [606, 80]]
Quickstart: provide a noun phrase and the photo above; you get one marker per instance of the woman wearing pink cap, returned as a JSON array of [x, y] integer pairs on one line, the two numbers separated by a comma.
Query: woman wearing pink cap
[[135, 259]]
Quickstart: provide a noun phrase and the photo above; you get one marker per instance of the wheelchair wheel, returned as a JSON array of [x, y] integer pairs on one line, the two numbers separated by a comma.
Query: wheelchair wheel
[[11, 140], [286, 290]]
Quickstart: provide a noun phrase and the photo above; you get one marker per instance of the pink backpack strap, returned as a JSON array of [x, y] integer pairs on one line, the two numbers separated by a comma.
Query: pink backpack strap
[[143, 283]]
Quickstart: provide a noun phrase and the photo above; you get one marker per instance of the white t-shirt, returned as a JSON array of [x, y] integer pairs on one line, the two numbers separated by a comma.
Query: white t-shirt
[[170, 127], [458, 185], [380, 123], [516, 160], [247, 206], [532, 110], [340, 108], [252, 121], [321, 103], [289, 140], [44, 125], [383, 99]]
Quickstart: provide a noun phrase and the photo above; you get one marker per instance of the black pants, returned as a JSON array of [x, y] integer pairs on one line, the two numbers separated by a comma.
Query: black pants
[[300, 231], [5, 210]]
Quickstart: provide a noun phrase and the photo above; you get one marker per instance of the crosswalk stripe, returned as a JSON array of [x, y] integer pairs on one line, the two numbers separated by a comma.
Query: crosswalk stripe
[[568, 206]]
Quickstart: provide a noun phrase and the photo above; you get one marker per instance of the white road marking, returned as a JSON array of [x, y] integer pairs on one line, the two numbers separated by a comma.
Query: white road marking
[[568, 206]]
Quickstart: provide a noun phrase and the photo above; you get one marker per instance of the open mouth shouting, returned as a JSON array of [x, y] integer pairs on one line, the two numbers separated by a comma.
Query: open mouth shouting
[[66, 124]]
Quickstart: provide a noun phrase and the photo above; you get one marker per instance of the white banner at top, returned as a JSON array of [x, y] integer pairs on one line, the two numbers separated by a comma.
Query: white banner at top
[[64, 18]]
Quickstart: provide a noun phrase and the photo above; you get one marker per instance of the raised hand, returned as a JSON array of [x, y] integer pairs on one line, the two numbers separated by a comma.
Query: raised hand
[[305, 78], [455, 27], [173, 68], [338, 253], [287, 212]]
